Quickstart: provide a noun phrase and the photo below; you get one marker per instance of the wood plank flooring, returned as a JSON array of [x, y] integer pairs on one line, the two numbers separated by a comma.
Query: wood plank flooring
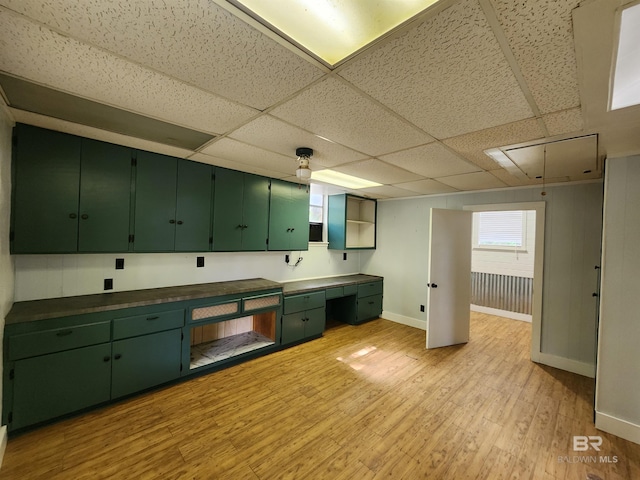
[[363, 402]]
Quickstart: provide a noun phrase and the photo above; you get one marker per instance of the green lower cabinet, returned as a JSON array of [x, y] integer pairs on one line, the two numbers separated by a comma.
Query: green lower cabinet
[[146, 361], [300, 325], [52, 385], [369, 308]]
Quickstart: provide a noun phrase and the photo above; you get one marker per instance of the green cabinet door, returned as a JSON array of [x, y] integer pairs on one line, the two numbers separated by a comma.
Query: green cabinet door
[[241, 211], [193, 207], [288, 216], [155, 204], [369, 308], [46, 189], [105, 192], [315, 322], [52, 385], [145, 361], [292, 327]]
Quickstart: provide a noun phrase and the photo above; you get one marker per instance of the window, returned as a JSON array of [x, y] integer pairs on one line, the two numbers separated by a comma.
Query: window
[[500, 230], [316, 214]]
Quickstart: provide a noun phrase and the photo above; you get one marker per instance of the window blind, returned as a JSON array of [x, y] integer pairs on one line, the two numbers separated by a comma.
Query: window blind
[[504, 229]]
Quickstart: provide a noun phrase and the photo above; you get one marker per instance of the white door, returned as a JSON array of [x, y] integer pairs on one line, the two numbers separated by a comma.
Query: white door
[[449, 292]]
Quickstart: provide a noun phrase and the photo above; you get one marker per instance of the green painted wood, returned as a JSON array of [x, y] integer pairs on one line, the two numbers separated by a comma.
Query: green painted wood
[[315, 322], [307, 301], [227, 210], [370, 288], [350, 290], [292, 327], [334, 292], [146, 361], [336, 222], [52, 385], [105, 197], [288, 216], [255, 212], [155, 212], [46, 189], [147, 323], [57, 339], [369, 307], [193, 207]]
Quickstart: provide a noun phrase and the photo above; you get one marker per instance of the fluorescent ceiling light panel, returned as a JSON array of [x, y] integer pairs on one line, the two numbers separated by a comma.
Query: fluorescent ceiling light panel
[[332, 30], [626, 80], [342, 179]]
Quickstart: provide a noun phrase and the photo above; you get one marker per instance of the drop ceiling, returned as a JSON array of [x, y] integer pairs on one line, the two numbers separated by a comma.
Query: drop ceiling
[[414, 111]]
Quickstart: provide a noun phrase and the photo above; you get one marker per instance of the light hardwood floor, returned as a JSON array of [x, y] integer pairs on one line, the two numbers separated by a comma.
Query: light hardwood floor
[[363, 402]]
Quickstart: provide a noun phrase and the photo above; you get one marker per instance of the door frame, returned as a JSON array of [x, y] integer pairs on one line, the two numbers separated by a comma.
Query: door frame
[[538, 264]]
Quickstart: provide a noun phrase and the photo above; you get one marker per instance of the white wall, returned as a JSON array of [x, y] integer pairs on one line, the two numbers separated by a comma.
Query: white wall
[[618, 379], [6, 262], [572, 249], [49, 276], [508, 262]]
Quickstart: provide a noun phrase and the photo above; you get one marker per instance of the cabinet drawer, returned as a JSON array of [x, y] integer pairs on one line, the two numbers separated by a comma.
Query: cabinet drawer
[[368, 289], [214, 311], [261, 301], [58, 339], [149, 323], [297, 303], [350, 290], [335, 292]]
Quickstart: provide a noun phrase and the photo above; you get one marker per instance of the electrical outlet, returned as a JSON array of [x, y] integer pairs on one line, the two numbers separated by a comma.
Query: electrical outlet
[[344, 256], [119, 263], [422, 308], [108, 283], [199, 262]]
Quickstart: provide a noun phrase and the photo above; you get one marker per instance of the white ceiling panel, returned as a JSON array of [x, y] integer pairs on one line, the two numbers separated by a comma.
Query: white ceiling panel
[[36, 53], [472, 181], [232, 150], [234, 165], [426, 187], [193, 40], [447, 75], [378, 171], [473, 145], [433, 160], [278, 136], [540, 34], [335, 111], [565, 121], [385, 191]]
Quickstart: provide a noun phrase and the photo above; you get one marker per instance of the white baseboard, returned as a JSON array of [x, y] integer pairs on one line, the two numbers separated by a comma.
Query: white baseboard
[[619, 428], [574, 366], [412, 322], [523, 317], [3, 442]]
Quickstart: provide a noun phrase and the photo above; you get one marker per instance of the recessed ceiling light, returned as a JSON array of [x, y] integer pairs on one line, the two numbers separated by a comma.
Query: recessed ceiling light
[[626, 80], [342, 179], [332, 30]]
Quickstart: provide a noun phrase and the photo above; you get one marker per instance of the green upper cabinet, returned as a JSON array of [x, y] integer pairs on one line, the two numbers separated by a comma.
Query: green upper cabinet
[[70, 193], [351, 222], [289, 216], [241, 211], [46, 190], [105, 193], [173, 204]]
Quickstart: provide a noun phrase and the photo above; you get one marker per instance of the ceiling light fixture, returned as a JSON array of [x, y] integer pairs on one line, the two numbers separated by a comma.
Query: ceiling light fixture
[[304, 154], [342, 179]]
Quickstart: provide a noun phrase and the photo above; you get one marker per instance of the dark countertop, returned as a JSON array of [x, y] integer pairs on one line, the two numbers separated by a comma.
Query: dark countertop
[[301, 286], [61, 307]]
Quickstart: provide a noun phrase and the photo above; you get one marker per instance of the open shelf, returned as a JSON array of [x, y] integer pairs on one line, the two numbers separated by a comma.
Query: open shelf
[[219, 341]]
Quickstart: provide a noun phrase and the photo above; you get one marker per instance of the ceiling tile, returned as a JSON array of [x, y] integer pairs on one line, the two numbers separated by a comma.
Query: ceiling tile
[[234, 151], [336, 111], [378, 171], [512, 180], [448, 75], [36, 53], [540, 34], [385, 191], [566, 121], [196, 41], [234, 165], [274, 134], [472, 181], [433, 160], [426, 187], [473, 145]]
